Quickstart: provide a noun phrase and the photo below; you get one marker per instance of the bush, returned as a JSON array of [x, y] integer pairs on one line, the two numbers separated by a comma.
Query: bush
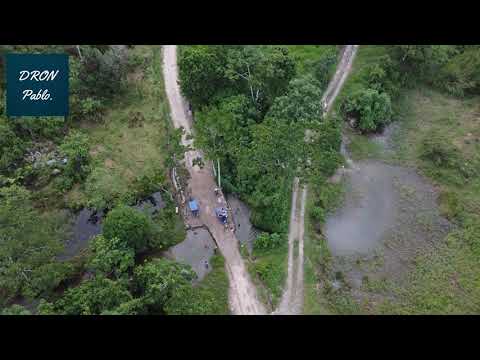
[[158, 279], [76, 149], [11, 146], [101, 75], [91, 297], [373, 109], [16, 310], [324, 67], [267, 241], [130, 226]]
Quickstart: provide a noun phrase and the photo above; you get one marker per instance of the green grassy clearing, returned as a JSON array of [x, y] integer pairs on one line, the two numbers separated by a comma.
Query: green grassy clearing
[[305, 54]]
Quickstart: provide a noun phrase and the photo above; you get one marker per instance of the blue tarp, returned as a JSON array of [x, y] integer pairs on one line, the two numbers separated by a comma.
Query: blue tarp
[[193, 205]]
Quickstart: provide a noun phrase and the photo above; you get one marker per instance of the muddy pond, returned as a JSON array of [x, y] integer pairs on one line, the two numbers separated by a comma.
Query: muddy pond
[[196, 250], [389, 215]]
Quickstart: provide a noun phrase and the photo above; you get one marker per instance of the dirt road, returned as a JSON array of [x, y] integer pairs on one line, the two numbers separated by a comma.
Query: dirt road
[[242, 294], [292, 298]]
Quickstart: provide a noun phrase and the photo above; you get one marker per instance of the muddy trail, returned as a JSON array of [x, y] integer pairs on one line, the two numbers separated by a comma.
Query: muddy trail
[[242, 294], [292, 298], [389, 216]]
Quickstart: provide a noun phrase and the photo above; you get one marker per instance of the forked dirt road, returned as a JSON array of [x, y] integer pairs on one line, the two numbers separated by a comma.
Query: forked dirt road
[[242, 294], [292, 298]]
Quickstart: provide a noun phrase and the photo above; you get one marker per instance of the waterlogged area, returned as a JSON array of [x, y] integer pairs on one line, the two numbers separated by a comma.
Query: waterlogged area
[[245, 232], [389, 215], [88, 223], [196, 251]]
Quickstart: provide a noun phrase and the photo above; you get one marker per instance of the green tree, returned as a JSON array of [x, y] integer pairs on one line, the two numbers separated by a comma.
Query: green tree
[[300, 103], [91, 297], [157, 279], [131, 227], [262, 72], [111, 256], [201, 72]]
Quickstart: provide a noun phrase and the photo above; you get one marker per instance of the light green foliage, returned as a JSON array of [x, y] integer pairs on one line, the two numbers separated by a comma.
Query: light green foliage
[[158, 279], [111, 256], [373, 109], [300, 103], [16, 310], [210, 297], [130, 226], [91, 297]]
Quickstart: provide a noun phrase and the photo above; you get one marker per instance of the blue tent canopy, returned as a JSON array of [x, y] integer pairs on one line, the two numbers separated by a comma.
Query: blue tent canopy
[[193, 205]]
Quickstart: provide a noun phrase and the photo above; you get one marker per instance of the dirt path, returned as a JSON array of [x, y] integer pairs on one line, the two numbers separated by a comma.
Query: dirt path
[[292, 298], [242, 295], [341, 74]]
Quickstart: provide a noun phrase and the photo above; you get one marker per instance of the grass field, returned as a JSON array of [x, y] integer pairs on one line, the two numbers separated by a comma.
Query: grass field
[[448, 280], [123, 150], [305, 54]]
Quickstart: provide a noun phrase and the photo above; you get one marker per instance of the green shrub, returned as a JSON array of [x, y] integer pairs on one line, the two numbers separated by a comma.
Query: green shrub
[[267, 241], [371, 108]]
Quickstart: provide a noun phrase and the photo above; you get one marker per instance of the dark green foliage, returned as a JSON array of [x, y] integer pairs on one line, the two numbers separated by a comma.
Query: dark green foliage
[[461, 75], [76, 149], [371, 108], [28, 245], [130, 226], [91, 297], [208, 73], [324, 67], [441, 155], [11, 146], [100, 75], [201, 72]]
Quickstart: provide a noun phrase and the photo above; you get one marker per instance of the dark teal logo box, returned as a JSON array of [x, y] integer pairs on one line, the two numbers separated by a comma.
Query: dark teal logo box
[[37, 84]]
